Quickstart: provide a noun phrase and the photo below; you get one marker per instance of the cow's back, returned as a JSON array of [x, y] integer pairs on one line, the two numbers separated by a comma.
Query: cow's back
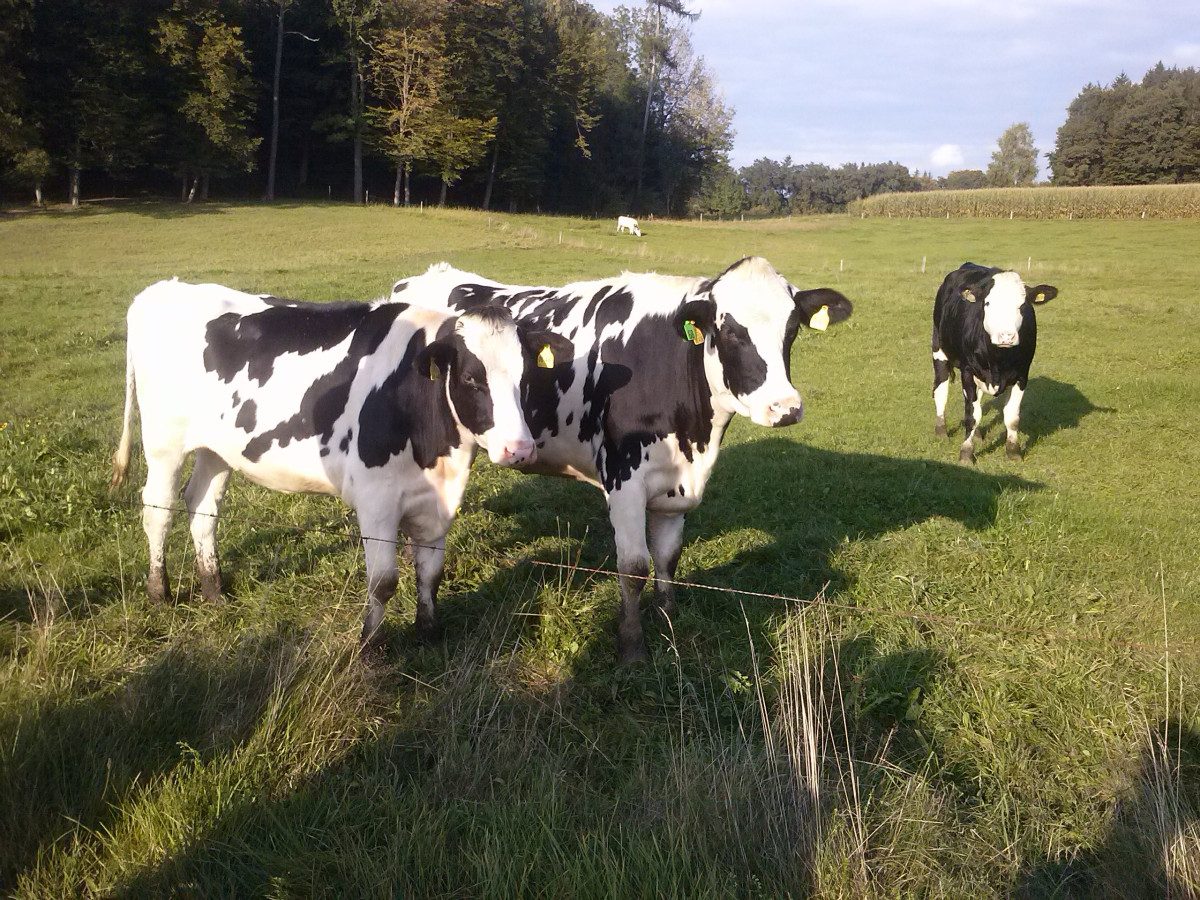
[[268, 385], [633, 383]]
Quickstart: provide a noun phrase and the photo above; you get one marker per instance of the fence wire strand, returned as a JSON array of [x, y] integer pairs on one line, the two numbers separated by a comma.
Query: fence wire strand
[[821, 599]]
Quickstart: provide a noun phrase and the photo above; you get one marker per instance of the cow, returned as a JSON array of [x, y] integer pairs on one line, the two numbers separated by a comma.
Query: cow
[[662, 365], [629, 225], [379, 404], [984, 325]]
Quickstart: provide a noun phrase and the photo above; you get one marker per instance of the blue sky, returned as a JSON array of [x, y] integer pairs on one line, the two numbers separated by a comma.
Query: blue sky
[[930, 84]]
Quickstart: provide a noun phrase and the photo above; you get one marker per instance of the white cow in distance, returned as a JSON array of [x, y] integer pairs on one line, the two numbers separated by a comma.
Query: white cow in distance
[[629, 224]]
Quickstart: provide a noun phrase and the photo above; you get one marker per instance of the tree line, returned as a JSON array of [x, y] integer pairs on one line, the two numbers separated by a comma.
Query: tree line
[[1123, 134], [524, 105], [1129, 133], [518, 104]]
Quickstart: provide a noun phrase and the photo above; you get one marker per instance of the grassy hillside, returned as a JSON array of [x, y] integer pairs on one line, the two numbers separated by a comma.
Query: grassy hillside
[[894, 675]]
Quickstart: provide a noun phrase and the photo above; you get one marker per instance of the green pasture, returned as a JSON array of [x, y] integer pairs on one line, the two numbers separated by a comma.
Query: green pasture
[[893, 676]]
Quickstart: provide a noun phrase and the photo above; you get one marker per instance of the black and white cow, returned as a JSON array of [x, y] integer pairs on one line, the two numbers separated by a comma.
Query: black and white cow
[[984, 325], [379, 404], [662, 365]]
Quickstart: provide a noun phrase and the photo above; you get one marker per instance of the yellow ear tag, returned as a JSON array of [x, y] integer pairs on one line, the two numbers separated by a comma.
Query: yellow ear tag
[[820, 319], [692, 333], [545, 358], [968, 296], [434, 372]]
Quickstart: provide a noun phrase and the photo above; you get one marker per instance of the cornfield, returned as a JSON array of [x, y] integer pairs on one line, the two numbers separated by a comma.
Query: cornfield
[[1151, 201]]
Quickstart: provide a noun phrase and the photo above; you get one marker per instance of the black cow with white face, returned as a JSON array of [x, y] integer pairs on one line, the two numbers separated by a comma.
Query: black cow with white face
[[662, 365], [984, 325], [380, 404]]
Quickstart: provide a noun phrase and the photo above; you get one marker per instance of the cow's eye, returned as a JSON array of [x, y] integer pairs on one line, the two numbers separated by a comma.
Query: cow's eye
[[472, 382]]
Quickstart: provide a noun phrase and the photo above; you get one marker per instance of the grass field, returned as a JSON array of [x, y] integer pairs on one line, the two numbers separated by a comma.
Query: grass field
[[938, 681]]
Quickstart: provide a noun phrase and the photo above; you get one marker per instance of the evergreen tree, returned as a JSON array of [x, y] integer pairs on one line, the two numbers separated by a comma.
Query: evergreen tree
[[1132, 133]]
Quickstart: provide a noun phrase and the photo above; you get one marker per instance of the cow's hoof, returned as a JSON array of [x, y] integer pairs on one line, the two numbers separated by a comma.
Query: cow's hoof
[[630, 653], [157, 587], [210, 589], [372, 651], [966, 457], [430, 631], [939, 430], [664, 606], [1013, 451]]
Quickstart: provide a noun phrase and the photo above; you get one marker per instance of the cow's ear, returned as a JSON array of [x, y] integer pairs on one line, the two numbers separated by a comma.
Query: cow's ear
[[1040, 293], [547, 348], [434, 360], [821, 307], [696, 320]]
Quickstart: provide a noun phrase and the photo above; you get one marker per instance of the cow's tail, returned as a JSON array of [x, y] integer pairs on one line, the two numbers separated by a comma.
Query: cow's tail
[[124, 451]]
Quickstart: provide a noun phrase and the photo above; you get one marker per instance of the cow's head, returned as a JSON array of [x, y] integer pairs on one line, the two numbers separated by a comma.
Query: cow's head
[[1005, 300], [482, 362], [748, 321]]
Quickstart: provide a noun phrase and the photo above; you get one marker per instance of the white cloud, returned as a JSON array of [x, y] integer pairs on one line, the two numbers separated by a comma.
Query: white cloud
[[947, 156]]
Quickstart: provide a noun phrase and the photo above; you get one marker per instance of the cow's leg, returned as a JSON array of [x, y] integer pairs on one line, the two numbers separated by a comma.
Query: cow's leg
[[627, 512], [203, 495], [972, 413], [429, 562], [379, 530], [666, 543], [158, 495], [1012, 421], [941, 386]]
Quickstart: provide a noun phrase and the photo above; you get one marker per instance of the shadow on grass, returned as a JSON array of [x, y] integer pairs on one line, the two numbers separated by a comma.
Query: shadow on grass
[[648, 766], [155, 208], [69, 765], [1049, 406], [1149, 849], [796, 504], [504, 792]]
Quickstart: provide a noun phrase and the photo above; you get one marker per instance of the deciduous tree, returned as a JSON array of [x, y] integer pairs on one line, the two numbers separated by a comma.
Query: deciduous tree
[[214, 92], [1015, 160]]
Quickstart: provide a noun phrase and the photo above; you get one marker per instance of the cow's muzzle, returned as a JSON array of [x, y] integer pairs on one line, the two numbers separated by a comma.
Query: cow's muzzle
[[785, 412], [1006, 339], [513, 453]]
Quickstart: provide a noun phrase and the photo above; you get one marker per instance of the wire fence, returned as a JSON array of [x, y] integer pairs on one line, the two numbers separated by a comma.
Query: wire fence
[[1051, 636]]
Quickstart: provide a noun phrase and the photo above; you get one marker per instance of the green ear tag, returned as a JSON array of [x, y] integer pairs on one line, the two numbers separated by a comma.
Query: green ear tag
[[434, 372], [692, 333]]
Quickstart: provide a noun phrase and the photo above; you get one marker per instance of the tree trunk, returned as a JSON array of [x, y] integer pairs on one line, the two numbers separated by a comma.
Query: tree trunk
[[183, 192], [192, 193], [408, 184], [204, 186], [396, 189], [76, 173], [270, 194], [37, 192], [487, 194], [356, 100], [641, 151], [442, 196]]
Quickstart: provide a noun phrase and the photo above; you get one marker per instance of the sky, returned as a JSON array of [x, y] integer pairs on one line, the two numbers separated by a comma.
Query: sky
[[930, 84]]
